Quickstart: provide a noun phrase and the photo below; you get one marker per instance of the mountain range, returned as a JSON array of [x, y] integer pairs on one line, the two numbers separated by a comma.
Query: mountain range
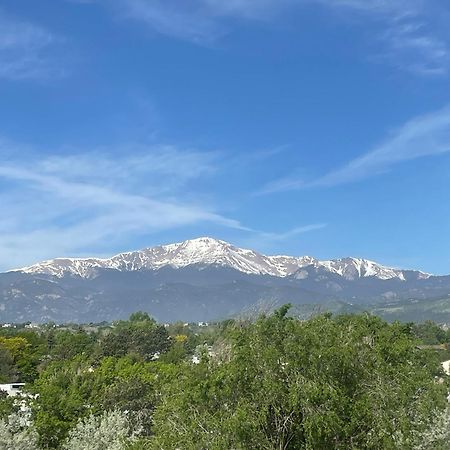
[[206, 279]]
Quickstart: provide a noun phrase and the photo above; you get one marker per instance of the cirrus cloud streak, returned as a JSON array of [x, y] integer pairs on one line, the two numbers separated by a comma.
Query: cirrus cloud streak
[[423, 136], [63, 205]]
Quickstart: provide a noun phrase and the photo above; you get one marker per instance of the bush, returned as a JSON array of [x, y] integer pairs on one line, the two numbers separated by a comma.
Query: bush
[[15, 435], [110, 431]]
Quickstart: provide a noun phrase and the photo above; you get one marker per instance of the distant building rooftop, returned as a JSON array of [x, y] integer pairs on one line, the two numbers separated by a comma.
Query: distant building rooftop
[[12, 389]]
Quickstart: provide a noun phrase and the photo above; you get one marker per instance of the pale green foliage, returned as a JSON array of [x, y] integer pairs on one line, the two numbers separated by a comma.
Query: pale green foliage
[[111, 431], [436, 437], [15, 436]]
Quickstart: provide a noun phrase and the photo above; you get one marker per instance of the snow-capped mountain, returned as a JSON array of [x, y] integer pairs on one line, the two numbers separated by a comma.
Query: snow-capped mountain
[[206, 279], [208, 251]]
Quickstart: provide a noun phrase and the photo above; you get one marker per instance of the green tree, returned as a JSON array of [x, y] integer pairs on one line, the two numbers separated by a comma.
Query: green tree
[[27, 350], [68, 344], [63, 397], [7, 372], [140, 335], [72, 390], [347, 382], [429, 333], [6, 405]]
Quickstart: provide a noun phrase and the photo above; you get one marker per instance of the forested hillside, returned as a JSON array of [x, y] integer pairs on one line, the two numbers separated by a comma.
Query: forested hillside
[[277, 382]]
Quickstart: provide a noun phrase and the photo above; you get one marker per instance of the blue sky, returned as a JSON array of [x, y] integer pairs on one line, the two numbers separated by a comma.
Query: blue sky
[[317, 127]]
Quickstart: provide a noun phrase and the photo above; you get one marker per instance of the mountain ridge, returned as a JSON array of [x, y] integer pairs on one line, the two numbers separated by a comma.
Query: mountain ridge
[[207, 279], [210, 251]]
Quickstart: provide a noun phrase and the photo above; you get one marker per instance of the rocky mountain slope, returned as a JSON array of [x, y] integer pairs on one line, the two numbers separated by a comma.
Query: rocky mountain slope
[[208, 251], [201, 279]]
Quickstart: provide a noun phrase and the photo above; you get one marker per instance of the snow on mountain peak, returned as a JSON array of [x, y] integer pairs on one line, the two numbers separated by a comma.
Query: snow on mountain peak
[[209, 251]]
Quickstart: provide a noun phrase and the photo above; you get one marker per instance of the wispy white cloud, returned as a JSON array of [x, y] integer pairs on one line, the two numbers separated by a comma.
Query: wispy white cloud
[[87, 203], [164, 167], [408, 37], [423, 136], [25, 50], [198, 21], [271, 242], [415, 50], [293, 232], [61, 205], [180, 20]]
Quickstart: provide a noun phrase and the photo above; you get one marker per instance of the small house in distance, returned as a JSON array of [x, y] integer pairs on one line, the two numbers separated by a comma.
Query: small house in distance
[[12, 389]]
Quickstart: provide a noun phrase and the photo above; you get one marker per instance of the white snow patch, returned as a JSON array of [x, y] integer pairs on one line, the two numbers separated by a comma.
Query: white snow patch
[[209, 251]]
